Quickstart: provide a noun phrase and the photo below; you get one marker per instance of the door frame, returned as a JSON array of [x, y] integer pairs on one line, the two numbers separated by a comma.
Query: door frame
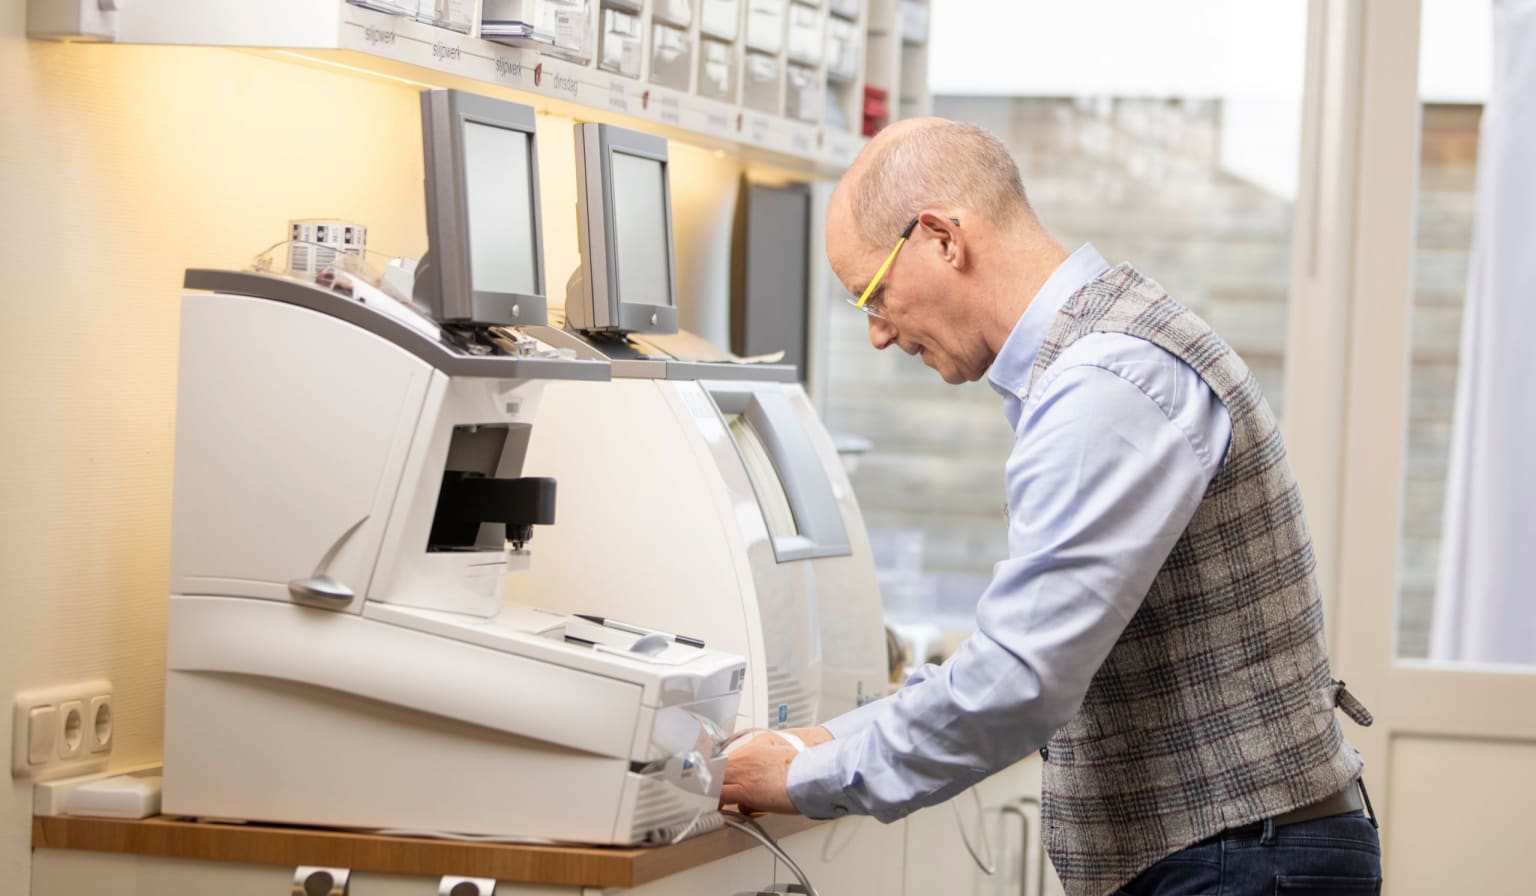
[[1347, 378]]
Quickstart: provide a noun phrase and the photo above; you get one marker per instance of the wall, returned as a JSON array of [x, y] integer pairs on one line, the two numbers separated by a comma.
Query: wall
[[120, 167]]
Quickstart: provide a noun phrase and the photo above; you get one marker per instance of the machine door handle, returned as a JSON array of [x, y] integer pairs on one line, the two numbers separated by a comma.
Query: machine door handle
[[323, 589]]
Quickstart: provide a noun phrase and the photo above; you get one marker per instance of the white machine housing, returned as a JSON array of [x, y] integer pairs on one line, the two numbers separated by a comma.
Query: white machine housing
[[678, 517], [720, 524], [325, 667]]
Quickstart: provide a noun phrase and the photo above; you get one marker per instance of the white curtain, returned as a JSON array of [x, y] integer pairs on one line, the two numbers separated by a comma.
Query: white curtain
[[1485, 607]]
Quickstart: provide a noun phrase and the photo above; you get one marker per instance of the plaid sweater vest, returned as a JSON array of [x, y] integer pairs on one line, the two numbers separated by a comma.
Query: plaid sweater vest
[[1215, 707]]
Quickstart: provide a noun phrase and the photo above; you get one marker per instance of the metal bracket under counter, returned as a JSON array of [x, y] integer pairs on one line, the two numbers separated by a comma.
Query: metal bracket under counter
[[575, 866]]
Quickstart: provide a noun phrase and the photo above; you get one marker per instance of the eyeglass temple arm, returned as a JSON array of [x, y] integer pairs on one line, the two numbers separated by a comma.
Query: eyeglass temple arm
[[880, 274]]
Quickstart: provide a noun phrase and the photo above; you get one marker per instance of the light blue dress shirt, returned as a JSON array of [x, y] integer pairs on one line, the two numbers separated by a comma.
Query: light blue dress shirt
[[1113, 451]]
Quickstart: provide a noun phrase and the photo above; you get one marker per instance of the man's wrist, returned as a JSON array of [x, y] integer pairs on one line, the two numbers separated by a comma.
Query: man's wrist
[[813, 737]]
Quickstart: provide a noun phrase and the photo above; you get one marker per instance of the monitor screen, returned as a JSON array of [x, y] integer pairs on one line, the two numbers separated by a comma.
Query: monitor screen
[[500, 199], [640, 229]]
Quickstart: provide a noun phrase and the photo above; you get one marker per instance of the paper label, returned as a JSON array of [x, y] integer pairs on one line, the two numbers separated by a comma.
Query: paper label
[[570, 28], [457, 14], [629, 58]]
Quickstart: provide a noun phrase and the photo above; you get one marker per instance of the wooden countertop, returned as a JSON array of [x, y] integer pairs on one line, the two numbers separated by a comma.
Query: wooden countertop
[[577, 866]]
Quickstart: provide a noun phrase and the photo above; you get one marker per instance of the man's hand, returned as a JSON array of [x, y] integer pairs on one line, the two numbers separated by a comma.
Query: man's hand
[[756, 771]]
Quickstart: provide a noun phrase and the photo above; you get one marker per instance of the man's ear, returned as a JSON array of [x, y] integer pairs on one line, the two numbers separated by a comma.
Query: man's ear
[[946, 231]]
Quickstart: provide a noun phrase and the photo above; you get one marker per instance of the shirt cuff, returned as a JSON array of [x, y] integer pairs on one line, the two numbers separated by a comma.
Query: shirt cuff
[[814, 782]]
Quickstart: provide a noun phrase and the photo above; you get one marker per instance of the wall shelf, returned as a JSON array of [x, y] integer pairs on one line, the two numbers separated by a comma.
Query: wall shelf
[[340, 35]]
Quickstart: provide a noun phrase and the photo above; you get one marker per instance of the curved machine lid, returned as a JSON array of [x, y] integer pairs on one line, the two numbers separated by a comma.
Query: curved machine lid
[[440, 355]]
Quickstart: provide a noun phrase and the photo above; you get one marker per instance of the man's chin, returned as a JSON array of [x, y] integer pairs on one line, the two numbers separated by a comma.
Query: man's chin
[[951, 375], [947, 374]]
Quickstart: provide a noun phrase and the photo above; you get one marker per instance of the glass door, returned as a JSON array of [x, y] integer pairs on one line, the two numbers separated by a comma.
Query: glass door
[[1389, 221]]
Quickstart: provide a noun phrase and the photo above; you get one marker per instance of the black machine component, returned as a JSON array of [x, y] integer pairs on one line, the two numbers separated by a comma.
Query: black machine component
[[771, 272], [468, 499]]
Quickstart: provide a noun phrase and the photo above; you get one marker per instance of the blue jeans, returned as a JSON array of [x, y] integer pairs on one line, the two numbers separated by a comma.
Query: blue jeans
[[1335, 856]]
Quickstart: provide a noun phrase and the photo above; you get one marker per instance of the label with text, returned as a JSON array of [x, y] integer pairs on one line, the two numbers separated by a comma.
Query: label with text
[[377, 36], [508, 69], [669, 110]]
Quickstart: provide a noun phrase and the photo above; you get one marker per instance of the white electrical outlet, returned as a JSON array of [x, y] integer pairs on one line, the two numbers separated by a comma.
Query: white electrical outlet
[[99, 720], [60, 731]]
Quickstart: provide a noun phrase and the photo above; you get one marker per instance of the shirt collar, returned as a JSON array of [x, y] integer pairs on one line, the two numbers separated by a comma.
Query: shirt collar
[[1010, 371]]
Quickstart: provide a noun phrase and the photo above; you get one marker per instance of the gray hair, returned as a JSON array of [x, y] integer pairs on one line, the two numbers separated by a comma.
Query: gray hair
[[945, 163]]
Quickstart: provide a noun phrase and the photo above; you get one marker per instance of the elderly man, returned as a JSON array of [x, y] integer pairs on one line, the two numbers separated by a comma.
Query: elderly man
[[1156, 631]]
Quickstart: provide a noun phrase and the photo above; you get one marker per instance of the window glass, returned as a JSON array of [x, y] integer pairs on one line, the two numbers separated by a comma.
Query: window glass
[[1454, 80]]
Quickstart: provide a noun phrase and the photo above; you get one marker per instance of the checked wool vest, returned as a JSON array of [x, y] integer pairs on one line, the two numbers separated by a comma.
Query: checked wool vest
[[1215, 708]]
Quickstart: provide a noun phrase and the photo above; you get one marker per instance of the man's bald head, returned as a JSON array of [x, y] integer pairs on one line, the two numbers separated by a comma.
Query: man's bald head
[[926, 163]]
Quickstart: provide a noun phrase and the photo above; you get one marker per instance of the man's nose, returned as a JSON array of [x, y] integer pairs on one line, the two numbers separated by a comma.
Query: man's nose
[[881, 333]]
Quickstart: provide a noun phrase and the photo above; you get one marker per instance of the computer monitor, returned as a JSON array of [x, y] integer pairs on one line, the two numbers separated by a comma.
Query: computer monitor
[[626, 282], [485, 254]]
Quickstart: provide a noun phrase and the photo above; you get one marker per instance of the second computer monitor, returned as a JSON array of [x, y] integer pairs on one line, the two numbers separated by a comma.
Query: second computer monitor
[[627, 282]]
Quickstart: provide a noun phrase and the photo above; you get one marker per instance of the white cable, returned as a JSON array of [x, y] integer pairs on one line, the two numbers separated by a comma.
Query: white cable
[[747, 826], [704, 821], [989, 865], [831, 848]]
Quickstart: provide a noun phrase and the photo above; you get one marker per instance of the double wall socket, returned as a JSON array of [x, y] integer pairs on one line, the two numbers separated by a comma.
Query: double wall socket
[[60, 731]]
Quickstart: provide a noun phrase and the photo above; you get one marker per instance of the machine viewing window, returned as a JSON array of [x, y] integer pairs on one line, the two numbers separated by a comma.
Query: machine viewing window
[[792, 488], [625, 282], [484, 246], [765, 479]]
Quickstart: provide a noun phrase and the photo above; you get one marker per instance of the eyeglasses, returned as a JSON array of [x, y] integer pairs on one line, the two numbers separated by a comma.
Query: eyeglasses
[[863, 303]]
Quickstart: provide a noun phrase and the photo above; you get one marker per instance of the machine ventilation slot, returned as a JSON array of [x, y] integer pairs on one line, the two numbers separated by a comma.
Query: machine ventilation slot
[[658, 806], [784, 691]]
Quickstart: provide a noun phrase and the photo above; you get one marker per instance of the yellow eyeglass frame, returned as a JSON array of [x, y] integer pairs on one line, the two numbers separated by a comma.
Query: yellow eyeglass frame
[[869, 290]]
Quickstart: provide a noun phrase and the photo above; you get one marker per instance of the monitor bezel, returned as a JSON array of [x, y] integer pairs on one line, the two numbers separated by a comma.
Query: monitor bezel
[[446, 283], [600, 304]]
